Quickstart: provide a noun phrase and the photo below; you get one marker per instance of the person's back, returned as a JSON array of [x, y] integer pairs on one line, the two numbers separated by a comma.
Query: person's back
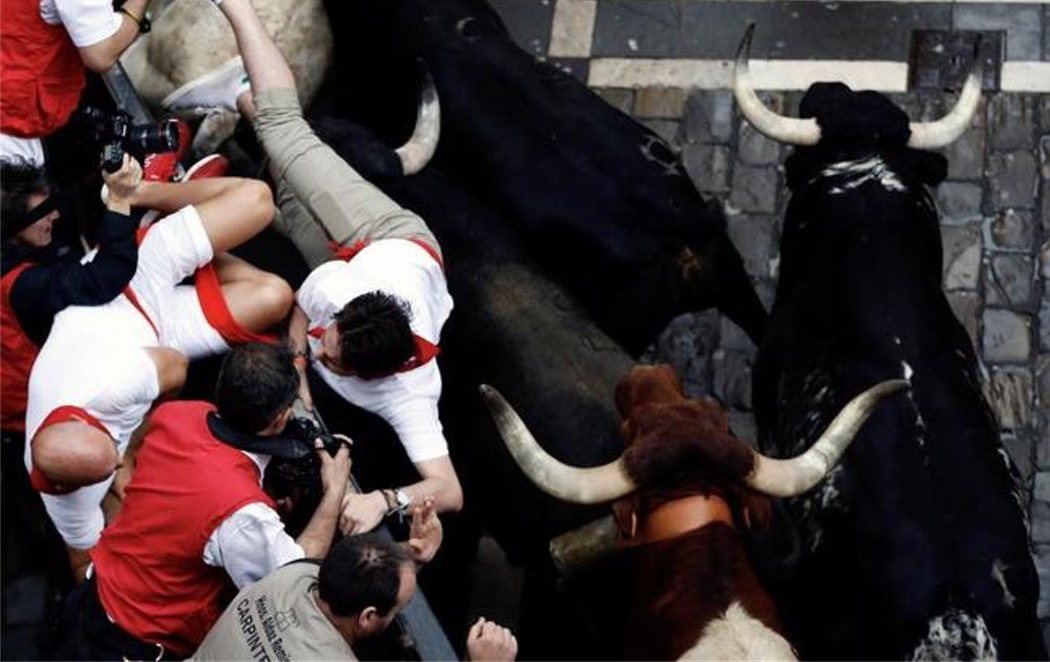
[[186, 483], [277, 618]]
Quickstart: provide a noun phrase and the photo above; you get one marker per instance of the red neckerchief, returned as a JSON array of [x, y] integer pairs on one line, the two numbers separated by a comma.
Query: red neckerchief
[[424, 352]]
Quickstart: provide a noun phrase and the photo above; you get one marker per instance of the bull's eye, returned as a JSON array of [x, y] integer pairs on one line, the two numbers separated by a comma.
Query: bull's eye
[[655, 150], [661, 152], [466, 29]]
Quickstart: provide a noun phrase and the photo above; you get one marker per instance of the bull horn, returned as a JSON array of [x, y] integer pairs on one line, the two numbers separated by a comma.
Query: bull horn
[[786, 478], [574, 484], [585, 546], [933, 135], [789, 130], [420, 148]]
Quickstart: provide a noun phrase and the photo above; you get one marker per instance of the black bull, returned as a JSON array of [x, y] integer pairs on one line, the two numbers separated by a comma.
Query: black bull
[[602, 203], [921, 537]]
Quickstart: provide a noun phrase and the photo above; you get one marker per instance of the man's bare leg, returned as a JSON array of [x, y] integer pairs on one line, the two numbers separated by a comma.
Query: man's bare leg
[[257, 299], [264, 63], [232, 210]]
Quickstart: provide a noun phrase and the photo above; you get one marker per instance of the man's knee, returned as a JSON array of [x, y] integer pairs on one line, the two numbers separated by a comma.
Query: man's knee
[[275, 295], [73, 454]]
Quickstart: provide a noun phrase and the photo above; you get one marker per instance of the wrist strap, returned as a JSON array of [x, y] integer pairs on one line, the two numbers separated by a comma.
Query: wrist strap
[[141, 21], [391, 500]]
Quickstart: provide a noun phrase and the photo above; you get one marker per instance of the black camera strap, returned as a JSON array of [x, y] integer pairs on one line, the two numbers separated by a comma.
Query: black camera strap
[[16, 222], [287, 448]]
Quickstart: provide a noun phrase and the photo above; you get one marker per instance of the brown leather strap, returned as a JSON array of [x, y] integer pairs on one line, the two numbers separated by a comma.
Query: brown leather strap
[[675, 518]]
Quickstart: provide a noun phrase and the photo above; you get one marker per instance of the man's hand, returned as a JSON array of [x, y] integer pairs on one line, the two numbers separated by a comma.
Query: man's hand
[[362, 512], [489, 641], [426, 533], [335, 471], [123, 183]]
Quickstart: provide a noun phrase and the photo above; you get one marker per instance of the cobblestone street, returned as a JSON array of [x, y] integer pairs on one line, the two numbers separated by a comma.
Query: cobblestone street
[[995, 204]]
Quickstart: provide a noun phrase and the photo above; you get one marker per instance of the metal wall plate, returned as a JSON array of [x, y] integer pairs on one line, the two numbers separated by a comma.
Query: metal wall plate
[[940, 59]]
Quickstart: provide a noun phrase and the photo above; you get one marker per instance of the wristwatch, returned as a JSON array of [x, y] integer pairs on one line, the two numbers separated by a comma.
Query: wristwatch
[[397, 501]]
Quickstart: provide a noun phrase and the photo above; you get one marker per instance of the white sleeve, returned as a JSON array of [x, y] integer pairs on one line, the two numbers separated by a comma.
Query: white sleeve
[[88, 22], [313, 296], [413, 413], [250, 543], [78, 515]]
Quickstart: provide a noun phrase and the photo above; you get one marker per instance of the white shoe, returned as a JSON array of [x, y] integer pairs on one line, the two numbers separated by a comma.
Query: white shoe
[[218, 88]]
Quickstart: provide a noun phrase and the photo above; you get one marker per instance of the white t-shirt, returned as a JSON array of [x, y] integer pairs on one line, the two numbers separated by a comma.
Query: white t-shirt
[[408, 401], [93, 359], [87, 21]]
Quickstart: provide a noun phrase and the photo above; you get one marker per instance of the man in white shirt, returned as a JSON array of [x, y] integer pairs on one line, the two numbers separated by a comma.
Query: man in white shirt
[[195, 517], [370, 320]]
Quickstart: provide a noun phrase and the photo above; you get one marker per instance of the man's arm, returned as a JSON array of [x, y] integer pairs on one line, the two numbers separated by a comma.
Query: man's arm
[[298, 326], [42, 292], [252, 542], [317, 537], [100, 55], [364, 512]]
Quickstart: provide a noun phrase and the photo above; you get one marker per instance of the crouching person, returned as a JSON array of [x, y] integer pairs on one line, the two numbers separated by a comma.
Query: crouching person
[[325, 607], [195, 520]]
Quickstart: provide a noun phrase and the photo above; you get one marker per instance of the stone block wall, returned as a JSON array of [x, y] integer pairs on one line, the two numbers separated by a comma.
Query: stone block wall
[[995, 208]]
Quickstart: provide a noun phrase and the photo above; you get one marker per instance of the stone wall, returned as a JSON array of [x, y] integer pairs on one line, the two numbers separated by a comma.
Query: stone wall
[[995, 209]]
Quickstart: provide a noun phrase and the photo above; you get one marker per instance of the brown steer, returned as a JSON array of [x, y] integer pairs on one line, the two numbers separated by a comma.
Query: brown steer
[[682, 490]]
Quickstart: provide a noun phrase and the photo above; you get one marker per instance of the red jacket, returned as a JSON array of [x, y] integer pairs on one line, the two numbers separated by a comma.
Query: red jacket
[[17, 353], [150, 574], [41, 72]]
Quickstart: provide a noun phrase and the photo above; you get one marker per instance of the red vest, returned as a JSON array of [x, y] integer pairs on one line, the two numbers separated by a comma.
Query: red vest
[[17, 353], [151, 578], [41, 72]]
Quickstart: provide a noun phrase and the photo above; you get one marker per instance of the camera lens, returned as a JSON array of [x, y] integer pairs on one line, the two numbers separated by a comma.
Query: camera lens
[[151, 139]]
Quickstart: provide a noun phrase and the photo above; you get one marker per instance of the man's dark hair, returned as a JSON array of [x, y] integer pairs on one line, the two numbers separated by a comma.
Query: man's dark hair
[[362, 571], [374, 334], [256, 383], [19, 179]]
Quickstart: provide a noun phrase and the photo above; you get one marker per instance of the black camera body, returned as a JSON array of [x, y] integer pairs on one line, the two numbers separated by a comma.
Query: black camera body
[[118, 134], [304, 430]]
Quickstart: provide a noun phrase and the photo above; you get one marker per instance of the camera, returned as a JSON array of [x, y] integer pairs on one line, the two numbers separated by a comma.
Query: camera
[[304, 430], [118, 134]]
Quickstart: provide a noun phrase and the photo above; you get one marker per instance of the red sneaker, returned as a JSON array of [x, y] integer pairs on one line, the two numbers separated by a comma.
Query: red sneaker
[[213, 165], [162, 167]]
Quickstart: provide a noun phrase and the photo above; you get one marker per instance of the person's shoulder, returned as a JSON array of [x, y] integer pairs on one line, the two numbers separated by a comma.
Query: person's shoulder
[[180, 408]]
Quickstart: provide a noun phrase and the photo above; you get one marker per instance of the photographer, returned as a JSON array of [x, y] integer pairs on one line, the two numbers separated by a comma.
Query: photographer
[[37, 285], [195, 498], [44, 47]]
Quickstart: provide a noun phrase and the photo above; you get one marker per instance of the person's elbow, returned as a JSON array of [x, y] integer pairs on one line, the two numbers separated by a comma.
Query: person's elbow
[[99, 58]]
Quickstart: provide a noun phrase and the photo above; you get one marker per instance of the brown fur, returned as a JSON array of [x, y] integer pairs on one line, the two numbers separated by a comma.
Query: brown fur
[[679, 447]]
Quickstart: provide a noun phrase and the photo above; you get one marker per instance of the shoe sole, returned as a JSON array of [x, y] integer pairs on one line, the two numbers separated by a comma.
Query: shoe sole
[[183, 97], [203, 163]]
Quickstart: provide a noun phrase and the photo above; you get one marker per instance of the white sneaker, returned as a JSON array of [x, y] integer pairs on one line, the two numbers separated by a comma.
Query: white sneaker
[[218, 88]]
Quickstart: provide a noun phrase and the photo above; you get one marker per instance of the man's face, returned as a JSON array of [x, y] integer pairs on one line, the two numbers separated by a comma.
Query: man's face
[[330, 354], [37, 235]]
